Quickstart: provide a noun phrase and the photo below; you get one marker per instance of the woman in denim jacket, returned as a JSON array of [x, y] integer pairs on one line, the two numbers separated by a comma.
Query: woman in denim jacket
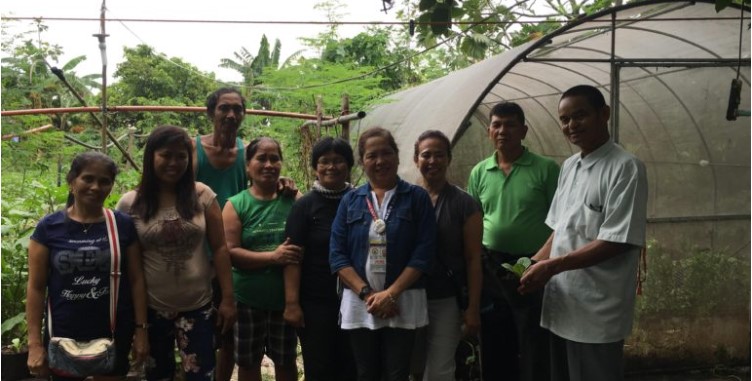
[[383, 241]]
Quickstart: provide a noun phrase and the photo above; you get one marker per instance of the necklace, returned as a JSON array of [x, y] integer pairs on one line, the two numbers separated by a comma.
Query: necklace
[[79, 218], [86, 227]]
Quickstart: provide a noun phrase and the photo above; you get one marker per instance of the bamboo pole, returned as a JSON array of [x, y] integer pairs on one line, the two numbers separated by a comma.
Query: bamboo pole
[[69, 110], [101, 36]]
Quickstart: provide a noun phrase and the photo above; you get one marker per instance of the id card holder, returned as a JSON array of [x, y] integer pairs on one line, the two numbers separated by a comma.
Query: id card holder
[[377, 258]]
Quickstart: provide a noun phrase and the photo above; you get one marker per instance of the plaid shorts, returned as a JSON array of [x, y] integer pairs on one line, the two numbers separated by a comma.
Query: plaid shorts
[[262, 332]]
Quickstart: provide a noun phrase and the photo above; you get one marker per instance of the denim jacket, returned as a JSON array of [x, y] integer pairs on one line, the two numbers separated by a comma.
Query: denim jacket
[[410, 233]]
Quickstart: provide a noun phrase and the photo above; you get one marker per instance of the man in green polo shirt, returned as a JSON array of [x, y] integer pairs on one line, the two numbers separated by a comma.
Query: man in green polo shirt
[[514, 187]]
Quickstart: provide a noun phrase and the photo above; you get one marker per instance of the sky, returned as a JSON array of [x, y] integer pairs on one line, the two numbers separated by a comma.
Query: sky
[[200, 44]]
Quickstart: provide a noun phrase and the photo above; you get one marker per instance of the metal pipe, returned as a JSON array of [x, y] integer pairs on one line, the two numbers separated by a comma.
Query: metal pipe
[[68, 110], [615, 83], [338, 120], [650, 61]]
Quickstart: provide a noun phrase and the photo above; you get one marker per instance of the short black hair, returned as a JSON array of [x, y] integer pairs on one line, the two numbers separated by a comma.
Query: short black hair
[[590, 93], [211, 101], [507, 108], [329, 144]]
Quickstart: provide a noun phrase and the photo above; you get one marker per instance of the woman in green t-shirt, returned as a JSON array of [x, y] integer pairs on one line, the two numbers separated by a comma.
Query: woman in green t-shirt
[[254, 221]]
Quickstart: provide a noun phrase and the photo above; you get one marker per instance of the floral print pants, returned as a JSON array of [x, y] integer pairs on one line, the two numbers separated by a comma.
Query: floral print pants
[[193, 332]]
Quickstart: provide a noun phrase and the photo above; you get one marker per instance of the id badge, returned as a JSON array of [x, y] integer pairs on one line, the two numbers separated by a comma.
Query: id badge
[[377, 258]]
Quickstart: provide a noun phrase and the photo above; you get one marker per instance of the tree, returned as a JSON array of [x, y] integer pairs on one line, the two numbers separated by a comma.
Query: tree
[[148, 78], [295, 88], [374, 48], [477, 29], [249, 66], [28, 82]]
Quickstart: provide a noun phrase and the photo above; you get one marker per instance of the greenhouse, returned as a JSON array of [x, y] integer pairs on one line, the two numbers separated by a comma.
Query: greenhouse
[[670, 66]]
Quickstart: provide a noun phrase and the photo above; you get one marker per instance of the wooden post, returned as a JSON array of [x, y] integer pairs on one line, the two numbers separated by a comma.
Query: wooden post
[[345, 111], [131, 136], [319, 113], [101, 37]]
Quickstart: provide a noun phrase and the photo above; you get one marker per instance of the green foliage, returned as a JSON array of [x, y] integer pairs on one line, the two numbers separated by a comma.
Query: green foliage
[[372, 48], [27, 82], [530, 32], [147, 78], [487, 26], [723, 4], [296, 87], [35, 155], [519, 267], [699, 283], [17, 225], [251, 67], [17, 329]]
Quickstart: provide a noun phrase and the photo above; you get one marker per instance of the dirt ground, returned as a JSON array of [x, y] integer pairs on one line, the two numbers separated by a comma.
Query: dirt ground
[[717, 374]]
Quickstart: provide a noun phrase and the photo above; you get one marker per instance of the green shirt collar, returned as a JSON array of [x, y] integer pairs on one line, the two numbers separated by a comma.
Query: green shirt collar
[[525, 159]]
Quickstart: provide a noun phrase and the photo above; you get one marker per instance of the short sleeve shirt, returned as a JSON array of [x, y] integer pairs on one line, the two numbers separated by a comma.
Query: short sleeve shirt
[[602, 196], [515, 204], [78, 285], [177, 268]]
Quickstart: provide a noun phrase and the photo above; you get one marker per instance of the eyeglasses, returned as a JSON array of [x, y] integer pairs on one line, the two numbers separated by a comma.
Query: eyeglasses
[[326, 162]]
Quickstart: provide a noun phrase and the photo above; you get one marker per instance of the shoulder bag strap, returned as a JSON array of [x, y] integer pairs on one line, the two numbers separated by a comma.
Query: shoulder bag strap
[[114, 238]]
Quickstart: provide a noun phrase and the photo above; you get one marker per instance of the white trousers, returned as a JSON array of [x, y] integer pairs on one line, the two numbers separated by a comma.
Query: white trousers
[[443, 334]]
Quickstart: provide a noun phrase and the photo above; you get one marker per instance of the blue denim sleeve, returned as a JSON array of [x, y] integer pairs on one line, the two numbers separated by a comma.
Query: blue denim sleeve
[[338, 251], [425, 244]]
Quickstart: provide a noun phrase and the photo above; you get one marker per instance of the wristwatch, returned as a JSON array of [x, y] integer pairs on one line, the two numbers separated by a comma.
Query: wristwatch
[[364, 292]]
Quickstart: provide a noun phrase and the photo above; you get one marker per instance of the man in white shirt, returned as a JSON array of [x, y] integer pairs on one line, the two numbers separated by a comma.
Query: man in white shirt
[[589, 264]]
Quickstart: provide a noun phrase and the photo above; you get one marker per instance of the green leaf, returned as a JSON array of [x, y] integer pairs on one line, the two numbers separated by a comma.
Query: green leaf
[[525, 262], [11, 323], [20, 213], [440, 15], [721, 4], [519, 267], [426, 4]]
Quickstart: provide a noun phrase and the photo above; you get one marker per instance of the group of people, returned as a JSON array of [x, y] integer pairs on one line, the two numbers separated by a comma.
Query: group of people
[[226, 261]]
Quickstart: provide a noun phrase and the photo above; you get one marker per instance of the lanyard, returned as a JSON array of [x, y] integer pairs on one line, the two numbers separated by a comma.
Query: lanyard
[[373, 211]]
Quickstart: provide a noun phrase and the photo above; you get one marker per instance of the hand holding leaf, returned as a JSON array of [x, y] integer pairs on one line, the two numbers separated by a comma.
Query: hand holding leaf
[[518, 268]]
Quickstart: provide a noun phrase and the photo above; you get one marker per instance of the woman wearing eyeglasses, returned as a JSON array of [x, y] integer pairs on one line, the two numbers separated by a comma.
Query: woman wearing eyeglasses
[[312, 301]]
